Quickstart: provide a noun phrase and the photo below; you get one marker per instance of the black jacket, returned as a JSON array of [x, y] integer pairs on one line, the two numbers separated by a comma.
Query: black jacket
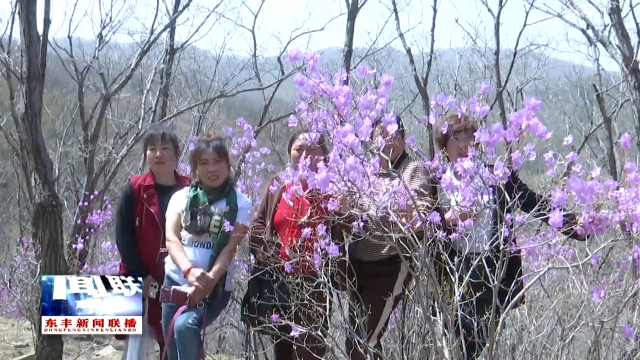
[[513, 195]]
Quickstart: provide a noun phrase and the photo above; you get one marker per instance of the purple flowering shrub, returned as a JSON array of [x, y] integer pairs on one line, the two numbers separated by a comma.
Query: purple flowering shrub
[[104, 257], [21, 278], [590, 281], [574, 290]]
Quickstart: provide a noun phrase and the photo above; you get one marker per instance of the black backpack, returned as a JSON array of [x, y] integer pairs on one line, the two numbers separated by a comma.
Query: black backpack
[[267, 293]]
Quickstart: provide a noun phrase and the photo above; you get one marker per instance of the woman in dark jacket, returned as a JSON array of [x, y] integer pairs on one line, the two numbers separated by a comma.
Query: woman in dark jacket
[[290, 225], [140, 216], [481, 255]]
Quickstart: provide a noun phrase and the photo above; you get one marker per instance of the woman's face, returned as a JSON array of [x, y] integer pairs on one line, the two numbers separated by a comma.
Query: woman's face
[[161, 157], [458, 145], [212, 170], [393, 144], [304, 146]]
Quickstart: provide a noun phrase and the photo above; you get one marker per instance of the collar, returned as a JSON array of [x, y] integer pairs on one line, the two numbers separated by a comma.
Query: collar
[[149, 179], [395, 165], [399, 160]]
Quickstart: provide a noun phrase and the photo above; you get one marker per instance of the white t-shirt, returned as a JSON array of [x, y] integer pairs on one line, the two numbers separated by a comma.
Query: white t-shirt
[[479, 236], [199, 248]]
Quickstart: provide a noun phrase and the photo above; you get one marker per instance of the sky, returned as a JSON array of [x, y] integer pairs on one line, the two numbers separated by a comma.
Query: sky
[[459, 23]]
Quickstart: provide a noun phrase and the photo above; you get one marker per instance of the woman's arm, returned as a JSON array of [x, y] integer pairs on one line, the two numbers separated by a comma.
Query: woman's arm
[[529, 201], [258, 227], [421, 182], [173, 227], [126, 234], [174, 241]]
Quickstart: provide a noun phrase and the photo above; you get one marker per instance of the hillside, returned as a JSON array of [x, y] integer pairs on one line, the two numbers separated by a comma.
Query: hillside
[[563, 86]]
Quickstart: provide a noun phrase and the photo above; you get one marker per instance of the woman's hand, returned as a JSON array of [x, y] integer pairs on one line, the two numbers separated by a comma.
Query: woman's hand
[[200, 278], [198, 295], [580, 224], [455, 216], [212, 282]]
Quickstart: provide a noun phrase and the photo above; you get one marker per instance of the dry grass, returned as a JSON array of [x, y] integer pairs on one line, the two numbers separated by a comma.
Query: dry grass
[[15, 338]]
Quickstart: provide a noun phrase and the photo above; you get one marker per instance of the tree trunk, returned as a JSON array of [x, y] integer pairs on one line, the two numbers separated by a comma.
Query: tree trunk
[[608, 125], [632, 68], [48, 235], [347, 52], [46, 218], [167, 71]]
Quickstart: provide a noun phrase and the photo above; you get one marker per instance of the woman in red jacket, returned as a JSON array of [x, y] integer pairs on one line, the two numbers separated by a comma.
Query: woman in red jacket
[[140, 219], [289, 226]]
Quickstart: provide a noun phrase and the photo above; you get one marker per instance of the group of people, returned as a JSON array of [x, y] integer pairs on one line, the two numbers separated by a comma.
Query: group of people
[[183, 232]]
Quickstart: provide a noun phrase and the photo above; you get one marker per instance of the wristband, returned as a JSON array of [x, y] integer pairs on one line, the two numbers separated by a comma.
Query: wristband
[[187, 271]]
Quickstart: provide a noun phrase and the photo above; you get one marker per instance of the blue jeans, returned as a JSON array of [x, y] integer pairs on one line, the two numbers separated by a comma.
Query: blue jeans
[[186, 340]]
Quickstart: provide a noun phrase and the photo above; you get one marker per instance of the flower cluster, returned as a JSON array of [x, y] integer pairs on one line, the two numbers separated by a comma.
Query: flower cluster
[[251, 164], [326, 106], [184, 169], [104, 257], [99, 216], [346, 116]]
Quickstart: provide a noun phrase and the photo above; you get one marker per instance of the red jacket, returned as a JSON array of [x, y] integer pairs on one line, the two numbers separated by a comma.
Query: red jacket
[[149, 224], [149, 238]]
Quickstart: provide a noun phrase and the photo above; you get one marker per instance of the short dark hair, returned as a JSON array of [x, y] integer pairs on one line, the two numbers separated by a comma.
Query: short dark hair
[[322, 141], [209, 142], [453, 124], [159, 134], [401, 128]]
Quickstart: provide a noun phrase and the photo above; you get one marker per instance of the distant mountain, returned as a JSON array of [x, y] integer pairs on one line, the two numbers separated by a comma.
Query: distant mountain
[[466, 63], [562, 85]]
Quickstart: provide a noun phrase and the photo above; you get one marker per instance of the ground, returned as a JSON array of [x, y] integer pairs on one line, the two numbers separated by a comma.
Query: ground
[[16, 341]]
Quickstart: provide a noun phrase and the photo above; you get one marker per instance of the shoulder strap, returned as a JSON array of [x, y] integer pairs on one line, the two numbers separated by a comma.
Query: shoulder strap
[[221, 242], [186, 213]]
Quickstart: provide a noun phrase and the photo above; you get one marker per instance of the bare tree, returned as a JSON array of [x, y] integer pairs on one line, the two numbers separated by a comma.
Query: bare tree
[[103, 85], [30, 147], [607, 31], [278, 72], [168, 62], [353, 8], [421, 82], [608, 125]]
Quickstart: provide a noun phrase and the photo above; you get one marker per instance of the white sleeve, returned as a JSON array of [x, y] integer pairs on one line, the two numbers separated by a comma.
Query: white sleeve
[[177, 203], [245, 209]]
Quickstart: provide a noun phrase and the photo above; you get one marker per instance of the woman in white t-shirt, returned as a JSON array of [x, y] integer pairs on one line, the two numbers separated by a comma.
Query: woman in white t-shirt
[[205, 224]]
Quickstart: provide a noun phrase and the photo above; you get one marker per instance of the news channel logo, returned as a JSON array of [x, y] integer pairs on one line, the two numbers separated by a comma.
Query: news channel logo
[[91, 295]]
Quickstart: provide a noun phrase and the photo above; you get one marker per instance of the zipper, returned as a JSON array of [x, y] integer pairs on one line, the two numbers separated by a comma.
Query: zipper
[[159, 225]]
